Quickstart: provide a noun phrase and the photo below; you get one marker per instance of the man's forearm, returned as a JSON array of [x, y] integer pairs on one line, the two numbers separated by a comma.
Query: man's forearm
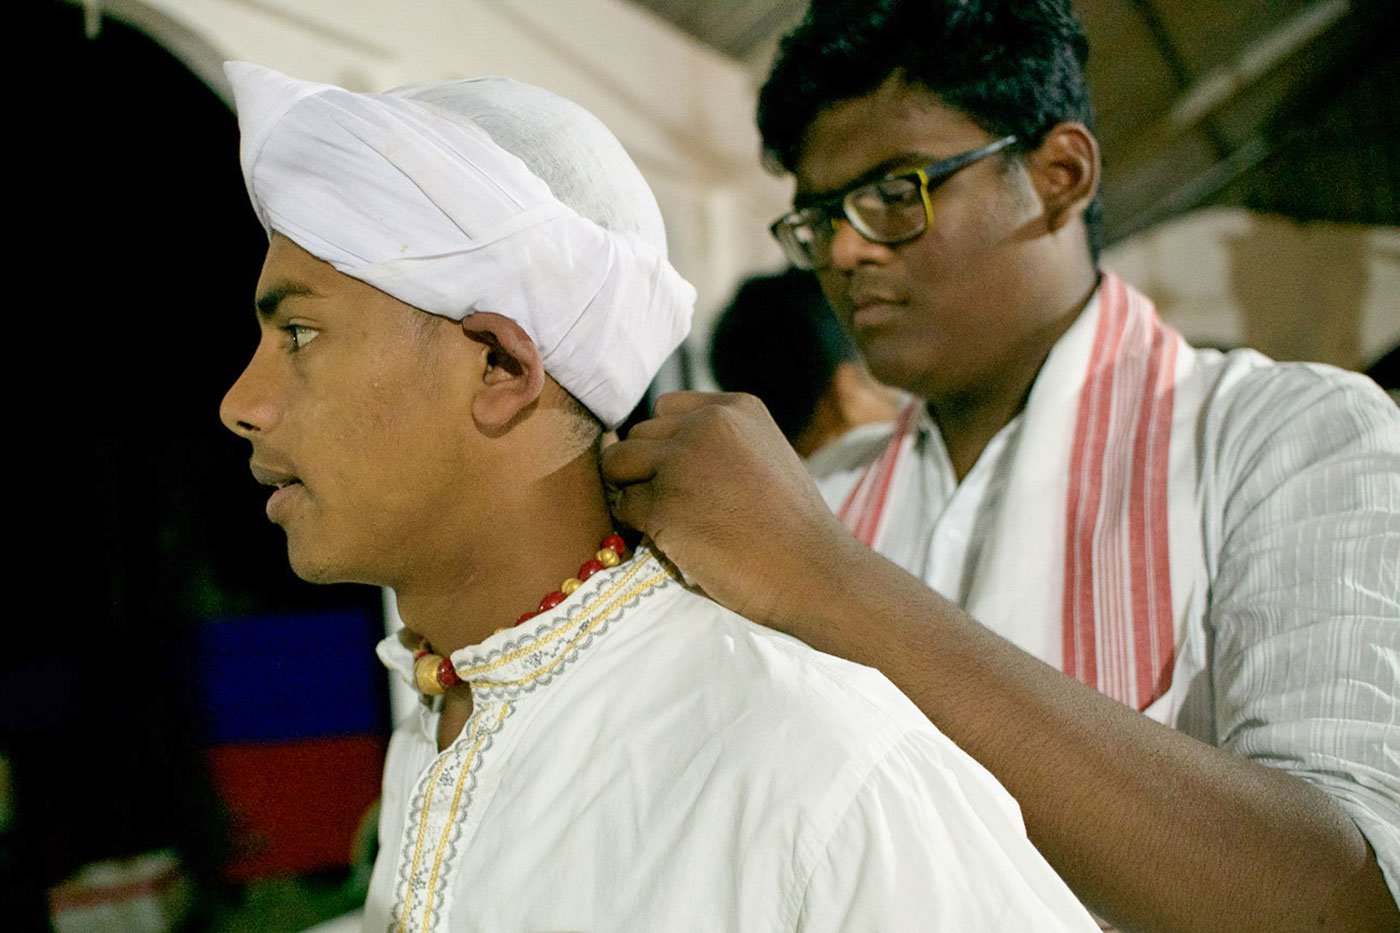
[[1153, 829]]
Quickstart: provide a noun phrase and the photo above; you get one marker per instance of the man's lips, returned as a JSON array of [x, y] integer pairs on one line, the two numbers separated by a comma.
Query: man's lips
[[871, 308], [289, 487], [272, 476]]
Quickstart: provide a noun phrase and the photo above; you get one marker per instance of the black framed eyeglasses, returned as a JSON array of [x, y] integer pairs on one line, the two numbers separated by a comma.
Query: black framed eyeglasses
[[889, 210]]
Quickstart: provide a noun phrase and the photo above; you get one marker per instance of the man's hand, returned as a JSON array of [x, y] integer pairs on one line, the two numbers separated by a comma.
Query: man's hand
[[721, 492]]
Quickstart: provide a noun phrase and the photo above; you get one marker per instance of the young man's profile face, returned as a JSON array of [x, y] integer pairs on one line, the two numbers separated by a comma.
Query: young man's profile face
[[939, 314], [354, 408]]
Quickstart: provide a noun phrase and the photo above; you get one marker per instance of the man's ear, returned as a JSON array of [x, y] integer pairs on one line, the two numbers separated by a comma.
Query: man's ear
[[1065, 170], [512, 375]]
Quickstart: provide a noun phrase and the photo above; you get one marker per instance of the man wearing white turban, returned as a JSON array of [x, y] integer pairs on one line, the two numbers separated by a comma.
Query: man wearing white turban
[[625, 754]]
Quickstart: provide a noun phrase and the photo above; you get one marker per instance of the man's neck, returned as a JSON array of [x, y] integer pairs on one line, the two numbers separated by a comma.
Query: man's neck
[[969, 420], [538, 541]]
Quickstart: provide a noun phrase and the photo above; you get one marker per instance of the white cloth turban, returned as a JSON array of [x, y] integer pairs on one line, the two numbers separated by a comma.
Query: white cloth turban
[[407, 192]]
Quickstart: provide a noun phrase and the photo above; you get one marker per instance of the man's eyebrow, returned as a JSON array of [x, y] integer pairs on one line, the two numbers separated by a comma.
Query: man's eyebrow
[[909, 161], [269, 300]]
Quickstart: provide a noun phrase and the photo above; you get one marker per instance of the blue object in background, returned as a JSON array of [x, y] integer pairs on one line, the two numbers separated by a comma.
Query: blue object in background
[[295, 711], [279, 678]]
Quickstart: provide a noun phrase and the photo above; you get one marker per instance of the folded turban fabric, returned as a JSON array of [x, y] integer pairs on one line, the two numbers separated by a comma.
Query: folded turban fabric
[[405, 192]]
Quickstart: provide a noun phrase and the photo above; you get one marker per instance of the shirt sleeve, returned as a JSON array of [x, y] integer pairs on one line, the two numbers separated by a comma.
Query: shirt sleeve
[[930, 841], [1305, 601]]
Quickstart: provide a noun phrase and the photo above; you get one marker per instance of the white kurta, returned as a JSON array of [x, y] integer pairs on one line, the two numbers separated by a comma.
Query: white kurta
[[1284, 521], [642, 759]]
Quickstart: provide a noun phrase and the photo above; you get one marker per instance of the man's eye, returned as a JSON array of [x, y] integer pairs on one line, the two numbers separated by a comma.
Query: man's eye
[[895, 192], [300, 335]]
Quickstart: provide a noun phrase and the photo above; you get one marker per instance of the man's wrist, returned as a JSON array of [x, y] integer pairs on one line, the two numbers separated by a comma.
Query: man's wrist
[[828, 594]]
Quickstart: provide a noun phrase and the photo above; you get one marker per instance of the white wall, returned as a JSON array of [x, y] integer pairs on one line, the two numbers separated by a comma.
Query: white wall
[[1228, 276]]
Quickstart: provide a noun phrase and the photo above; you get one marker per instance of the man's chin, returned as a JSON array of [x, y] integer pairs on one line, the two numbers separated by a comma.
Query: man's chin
[[318, 558], [925, 375], [314, 573], [314, 568], [898, 370]]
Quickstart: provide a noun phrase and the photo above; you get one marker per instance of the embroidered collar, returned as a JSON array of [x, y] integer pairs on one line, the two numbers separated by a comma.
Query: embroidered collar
[[520, 659]]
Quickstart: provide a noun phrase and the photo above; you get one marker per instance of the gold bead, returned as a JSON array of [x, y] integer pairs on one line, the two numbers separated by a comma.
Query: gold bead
[[608, 557], [425, 675], [569, 585]]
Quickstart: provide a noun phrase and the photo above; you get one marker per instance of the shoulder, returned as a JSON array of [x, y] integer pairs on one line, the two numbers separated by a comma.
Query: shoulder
[[931, 848], [1255, 402], [1302, 469], [839, 465], [820, 769], [766, 689], [826, 731], [1288, 430], [851, 451]]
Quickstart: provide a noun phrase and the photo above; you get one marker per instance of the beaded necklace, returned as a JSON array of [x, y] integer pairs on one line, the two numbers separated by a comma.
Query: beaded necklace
[[434, 675]]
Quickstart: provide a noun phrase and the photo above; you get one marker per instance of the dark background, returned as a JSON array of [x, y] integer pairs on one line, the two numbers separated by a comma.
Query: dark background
[[135, 517]]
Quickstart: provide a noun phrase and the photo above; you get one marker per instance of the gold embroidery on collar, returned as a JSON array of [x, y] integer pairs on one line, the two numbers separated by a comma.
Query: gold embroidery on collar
[[418, 842], [452, 811], [477, 738], [568, 625], [583, 630]]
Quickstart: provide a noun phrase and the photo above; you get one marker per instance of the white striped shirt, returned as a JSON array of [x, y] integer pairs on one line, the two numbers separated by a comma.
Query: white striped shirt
[[1289, 654]]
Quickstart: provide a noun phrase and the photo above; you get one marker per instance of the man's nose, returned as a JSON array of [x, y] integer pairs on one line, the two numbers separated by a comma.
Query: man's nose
[[248, 407], [848, 249]]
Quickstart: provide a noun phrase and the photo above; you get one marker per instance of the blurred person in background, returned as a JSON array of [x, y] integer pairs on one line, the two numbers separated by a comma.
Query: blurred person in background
[[1154, 589], [466, 283], [1386, 372], [779, 341]]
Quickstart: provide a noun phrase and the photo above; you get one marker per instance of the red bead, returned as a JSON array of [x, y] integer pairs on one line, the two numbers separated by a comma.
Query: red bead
[[447, 674], [525, 617], [589, 568], [615, 543], [550, 601]]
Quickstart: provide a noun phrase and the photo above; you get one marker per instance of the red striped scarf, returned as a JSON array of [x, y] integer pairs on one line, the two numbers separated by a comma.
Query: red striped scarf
[[1117, 613]]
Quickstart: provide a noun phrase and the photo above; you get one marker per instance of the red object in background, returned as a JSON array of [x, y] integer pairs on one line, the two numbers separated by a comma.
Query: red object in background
[[294, 806]]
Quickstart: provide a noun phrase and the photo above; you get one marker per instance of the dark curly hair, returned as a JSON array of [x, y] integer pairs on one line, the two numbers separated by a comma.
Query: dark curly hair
[[1013, 66], [779, 340]]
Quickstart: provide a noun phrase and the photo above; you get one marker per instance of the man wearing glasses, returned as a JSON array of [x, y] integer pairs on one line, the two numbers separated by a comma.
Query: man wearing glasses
[[894, 208], [1153, 589]]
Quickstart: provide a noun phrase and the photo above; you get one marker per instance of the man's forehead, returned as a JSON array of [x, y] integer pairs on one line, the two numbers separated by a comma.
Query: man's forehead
[[289, 271], [806, 193], [896, 127], [287, 262]]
